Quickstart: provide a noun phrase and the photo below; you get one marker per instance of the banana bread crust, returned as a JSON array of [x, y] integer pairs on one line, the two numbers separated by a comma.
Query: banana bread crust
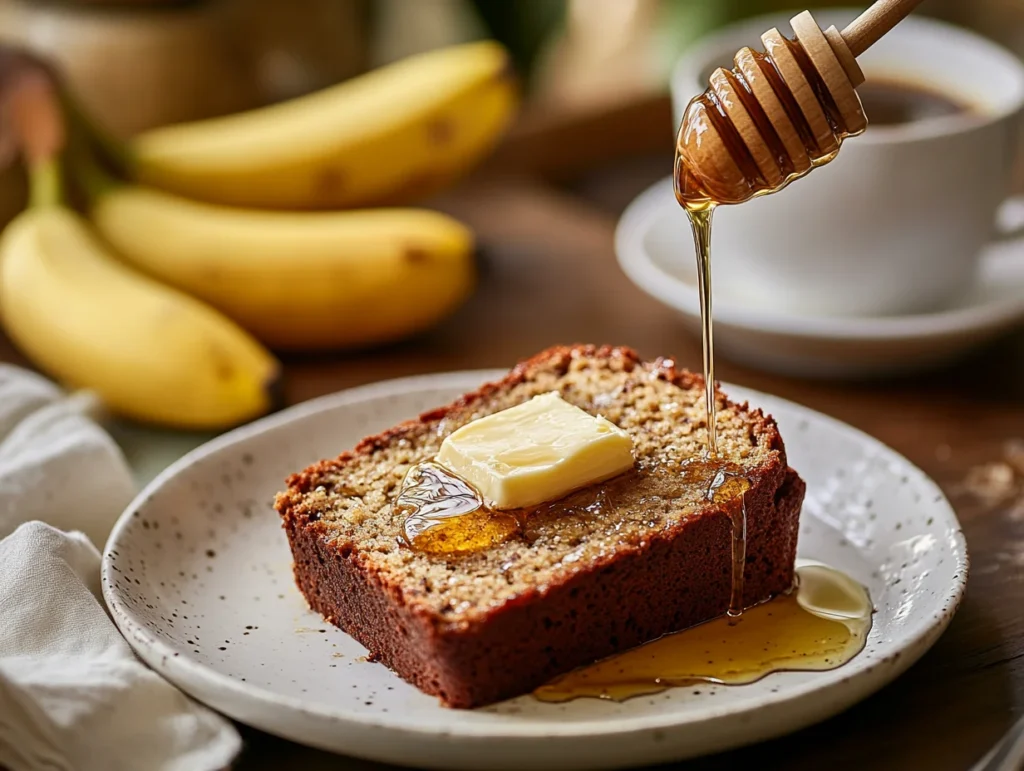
[[662, 578]]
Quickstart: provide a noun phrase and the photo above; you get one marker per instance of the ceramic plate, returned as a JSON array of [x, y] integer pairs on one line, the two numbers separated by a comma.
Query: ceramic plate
[[655, 249], [197, 575]]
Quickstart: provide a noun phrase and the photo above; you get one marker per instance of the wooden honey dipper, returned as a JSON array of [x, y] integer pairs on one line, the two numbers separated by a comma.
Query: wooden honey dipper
[[778, 114]]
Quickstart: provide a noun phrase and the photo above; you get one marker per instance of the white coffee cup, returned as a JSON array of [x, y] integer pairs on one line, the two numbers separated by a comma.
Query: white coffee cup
[[896, 223]]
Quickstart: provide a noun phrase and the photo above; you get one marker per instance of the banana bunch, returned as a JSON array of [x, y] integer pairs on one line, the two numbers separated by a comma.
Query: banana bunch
[[224, 236]]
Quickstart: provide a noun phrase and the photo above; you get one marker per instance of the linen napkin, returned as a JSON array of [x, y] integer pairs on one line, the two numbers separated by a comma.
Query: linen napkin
[[72, 694]]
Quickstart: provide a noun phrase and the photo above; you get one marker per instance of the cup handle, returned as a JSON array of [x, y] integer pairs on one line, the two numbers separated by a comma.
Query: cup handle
[[1010, 219]]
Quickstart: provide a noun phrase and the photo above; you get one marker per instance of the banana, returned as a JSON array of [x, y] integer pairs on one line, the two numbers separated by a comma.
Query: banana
[[387, 137], [150, 352], [297, 280]]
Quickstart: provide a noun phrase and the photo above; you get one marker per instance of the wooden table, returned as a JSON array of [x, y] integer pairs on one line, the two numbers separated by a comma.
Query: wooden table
[[549, 276]]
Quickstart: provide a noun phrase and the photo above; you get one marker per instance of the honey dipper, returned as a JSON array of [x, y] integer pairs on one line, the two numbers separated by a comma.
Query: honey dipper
[[778, 114]]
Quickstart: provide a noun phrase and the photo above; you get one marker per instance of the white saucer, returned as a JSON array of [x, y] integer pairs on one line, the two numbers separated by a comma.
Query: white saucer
[[197, 575], [655, 250]]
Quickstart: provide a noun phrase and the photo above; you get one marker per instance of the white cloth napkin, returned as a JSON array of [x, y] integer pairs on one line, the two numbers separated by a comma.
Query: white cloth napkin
[[72, 694]]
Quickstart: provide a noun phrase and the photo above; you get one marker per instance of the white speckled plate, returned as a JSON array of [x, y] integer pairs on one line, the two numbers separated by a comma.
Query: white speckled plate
[[197, 574]]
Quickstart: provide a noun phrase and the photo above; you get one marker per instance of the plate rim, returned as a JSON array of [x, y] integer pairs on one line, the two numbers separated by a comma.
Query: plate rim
[[184, 673], [649, 277]]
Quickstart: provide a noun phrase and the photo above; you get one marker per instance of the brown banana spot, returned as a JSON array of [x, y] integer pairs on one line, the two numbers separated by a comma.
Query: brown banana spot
[[329, 183], [223, 367], [416, 255], [441, 131]]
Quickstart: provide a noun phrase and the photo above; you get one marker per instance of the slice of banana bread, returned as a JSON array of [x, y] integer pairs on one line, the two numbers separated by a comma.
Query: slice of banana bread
[[602, 570]]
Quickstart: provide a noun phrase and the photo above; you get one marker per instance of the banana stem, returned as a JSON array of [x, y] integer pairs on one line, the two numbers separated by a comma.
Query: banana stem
[[46, 186]]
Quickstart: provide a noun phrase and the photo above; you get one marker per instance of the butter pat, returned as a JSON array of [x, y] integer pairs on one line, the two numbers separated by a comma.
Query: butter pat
[[535, 452]]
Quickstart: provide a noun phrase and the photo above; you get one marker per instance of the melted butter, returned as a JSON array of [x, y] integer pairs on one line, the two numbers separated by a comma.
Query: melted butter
[[446, 515], [819, 626]]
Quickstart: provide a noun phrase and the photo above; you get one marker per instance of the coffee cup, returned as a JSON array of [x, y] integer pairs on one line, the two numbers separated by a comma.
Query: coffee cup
[[896, 223]]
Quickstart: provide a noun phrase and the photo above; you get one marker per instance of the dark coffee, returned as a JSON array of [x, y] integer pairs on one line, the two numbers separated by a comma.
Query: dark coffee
[[891, 102]]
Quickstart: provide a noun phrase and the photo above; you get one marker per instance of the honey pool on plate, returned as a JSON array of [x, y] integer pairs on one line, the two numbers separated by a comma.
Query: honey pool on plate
[[822, 624]]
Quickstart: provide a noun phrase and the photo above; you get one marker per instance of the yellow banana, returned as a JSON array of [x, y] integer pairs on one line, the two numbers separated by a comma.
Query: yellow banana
[[149, 351], [386, 137], [297, 280]]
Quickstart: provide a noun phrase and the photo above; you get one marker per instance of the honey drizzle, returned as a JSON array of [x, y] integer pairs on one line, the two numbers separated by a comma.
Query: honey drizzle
[[700, 221], [738, 515], [699, 201], [729, 486], [819, 626]]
